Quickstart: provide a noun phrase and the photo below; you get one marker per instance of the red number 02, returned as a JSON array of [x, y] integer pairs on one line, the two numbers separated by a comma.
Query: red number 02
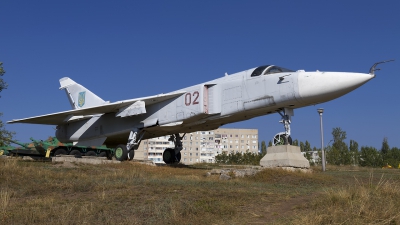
[[188, 98]]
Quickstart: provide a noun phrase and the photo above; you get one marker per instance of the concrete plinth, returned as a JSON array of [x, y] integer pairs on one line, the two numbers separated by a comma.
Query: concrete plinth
[[284, 156], [84, 159]]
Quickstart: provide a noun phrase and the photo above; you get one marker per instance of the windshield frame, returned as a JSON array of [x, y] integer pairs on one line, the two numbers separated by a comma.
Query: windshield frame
[[269, 69]]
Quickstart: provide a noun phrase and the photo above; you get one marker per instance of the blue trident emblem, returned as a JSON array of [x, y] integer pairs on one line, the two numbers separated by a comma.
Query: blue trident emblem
[[81, 98]]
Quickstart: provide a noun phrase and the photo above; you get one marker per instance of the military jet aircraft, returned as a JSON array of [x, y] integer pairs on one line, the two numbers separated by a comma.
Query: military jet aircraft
[[241, 96]]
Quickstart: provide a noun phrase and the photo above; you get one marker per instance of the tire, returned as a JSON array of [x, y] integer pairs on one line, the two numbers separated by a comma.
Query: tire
[[280, 139], [76, 153], [91, 153], [131, 155], [121, 153], [102, 154], [169, 156], [60, 151]]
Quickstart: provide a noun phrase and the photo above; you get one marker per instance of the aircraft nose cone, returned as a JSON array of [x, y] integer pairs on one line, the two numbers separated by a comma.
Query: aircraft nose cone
[[318, 87]]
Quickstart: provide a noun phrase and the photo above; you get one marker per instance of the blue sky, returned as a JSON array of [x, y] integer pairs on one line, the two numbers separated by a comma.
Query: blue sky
[[127, 49]]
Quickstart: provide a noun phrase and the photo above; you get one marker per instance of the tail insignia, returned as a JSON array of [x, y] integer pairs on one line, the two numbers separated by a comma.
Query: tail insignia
[[81, 98]]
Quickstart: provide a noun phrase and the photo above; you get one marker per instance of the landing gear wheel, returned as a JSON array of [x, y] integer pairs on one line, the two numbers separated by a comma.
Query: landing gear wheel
[[280, 139], [131, 155], [76, 153], [169, 156], [60, 151], [121, 153], [91, 153]]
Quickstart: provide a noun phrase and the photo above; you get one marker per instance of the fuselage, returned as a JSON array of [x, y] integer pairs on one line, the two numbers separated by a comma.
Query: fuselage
[[236, 97]]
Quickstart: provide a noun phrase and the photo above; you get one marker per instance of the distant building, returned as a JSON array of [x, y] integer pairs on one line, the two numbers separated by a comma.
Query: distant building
[[202, 146], [314, 156]]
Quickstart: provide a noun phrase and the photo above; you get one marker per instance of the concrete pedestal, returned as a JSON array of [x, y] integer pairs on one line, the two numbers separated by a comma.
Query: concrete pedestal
[[284, 156]]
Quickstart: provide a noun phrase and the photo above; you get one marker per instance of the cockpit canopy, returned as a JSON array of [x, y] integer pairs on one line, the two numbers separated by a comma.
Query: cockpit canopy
[[269, 69]]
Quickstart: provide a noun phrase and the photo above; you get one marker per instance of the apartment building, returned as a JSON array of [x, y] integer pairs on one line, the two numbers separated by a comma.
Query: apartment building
[[202, 146]]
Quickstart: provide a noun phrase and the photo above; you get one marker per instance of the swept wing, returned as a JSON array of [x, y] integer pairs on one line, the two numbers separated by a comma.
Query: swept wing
[[65, 116]]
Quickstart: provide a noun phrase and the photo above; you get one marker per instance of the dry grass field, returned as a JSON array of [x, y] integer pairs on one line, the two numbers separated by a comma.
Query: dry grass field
[[132, 193]]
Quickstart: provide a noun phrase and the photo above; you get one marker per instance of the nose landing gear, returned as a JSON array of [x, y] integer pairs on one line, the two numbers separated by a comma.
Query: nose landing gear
[[283, 138]]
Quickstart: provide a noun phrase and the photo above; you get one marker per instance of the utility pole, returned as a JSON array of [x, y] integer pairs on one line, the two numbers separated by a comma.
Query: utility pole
[[320, 111]]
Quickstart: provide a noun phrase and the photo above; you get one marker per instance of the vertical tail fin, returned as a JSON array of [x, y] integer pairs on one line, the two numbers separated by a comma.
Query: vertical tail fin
[[79, 97]]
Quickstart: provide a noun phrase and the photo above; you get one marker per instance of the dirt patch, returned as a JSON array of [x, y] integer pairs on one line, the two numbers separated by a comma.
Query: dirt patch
[[269, 212]]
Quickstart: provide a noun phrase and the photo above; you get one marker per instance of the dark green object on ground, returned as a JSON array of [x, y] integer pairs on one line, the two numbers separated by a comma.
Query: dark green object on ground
[[52, 147]]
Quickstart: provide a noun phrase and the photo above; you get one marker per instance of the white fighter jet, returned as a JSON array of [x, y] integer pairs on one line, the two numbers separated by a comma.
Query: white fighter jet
[[206, 106]]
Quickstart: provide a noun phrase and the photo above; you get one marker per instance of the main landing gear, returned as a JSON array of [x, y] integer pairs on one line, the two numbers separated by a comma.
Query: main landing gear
[[283, 138], [173, 155], [124, 152]]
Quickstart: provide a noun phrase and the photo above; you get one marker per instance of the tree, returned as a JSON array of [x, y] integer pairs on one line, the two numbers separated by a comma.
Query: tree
[[4, 134], [369, 156], [263, 148], [394, 157], [339, 154], [221, 158], [385, 150], [301, 146], [390, 156], [238, 158], [307, 147], [295, 142], [3, 84], [354, 152]]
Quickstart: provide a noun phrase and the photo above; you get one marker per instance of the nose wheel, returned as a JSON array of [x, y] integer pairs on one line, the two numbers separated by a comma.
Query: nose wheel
[[282, 139]]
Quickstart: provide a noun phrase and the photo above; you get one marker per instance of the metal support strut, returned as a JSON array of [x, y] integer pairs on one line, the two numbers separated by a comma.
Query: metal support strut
[[177, 139], [135, 136], [286, 121]]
